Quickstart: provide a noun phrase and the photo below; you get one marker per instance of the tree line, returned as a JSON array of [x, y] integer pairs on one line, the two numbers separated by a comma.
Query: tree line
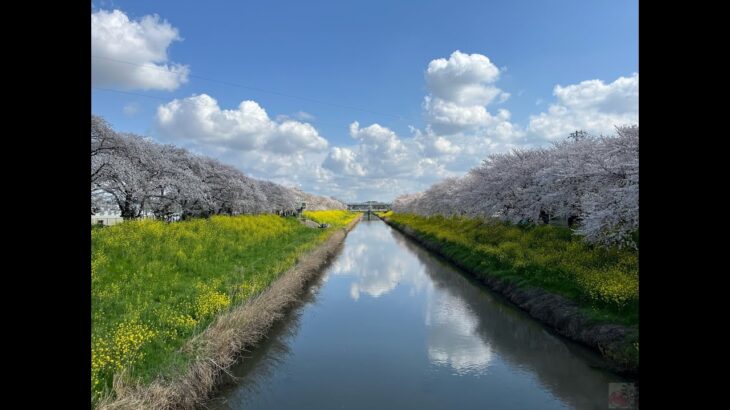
[[591, 182], [139, 176]]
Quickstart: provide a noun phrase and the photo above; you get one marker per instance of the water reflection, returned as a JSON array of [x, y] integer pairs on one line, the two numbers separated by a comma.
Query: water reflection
[[566, 369], [452, 335], [394, 327], [251, 376], [377, 266]]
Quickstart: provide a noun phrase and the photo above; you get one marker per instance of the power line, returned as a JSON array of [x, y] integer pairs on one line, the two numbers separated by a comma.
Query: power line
[[130, 93], [398, 117], [316, 121]]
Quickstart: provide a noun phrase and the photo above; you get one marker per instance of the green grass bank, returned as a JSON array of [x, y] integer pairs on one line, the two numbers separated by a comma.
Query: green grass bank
[[158, 288], [590, 294]]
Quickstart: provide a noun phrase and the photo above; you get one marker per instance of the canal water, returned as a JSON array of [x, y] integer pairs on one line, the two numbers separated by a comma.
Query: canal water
[[390, 326]]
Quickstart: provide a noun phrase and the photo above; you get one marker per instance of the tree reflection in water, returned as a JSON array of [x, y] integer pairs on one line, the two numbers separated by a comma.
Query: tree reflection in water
[[389, 324]]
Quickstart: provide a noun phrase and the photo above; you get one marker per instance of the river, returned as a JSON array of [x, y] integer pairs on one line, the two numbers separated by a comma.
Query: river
[[390, 326]]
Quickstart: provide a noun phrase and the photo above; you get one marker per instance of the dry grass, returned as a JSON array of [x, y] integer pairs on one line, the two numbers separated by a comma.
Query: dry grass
[[221, 344]]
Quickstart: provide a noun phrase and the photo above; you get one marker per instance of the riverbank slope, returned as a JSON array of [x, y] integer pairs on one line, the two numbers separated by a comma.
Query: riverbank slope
[[546, 292], [205, 355]]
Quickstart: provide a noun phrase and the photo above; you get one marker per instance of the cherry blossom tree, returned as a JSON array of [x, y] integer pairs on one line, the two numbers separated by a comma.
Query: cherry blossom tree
[[316, 202], [141, 176], [135, 171], [592, 182], [104, 140], [611, 208]]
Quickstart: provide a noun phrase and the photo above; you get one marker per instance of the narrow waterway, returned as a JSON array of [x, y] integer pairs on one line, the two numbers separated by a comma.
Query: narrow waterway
[[390, 326]]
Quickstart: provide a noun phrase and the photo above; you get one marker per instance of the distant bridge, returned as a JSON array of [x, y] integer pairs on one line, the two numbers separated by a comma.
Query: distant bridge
[[373, 206]]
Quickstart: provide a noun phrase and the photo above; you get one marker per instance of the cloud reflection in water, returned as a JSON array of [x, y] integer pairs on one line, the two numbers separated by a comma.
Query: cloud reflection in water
[[378, 267], [452, 335]]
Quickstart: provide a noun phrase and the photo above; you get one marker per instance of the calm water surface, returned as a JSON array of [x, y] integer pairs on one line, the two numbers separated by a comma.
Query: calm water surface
[[389, 326]]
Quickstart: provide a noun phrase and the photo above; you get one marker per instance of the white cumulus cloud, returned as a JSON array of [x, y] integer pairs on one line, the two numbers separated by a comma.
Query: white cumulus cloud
[[285, 151], [460, 132], [462, 128], [382, 165], [379, 153], [291, 136], [449, 117], [343, 161], [591, 105], [133, 54], [199, 119], [464, 79], [460, 89]]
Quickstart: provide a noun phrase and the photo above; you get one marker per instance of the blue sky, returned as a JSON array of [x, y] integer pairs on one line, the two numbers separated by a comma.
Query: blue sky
[[372, 56]]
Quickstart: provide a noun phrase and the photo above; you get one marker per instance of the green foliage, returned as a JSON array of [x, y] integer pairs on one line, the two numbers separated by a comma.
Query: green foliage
[[627, 356], [604, 280], [335, 218], [156, 284]]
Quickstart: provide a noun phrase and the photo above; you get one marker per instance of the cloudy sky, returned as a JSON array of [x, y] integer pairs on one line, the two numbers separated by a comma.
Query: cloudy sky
[[363, 100]]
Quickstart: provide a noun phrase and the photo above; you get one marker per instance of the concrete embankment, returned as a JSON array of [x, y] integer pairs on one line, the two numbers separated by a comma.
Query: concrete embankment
[[612, 341], [221, 344]]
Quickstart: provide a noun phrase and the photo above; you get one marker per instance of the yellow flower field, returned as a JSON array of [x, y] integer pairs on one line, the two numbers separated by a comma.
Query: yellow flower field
[[336, 218], [157, 284], [606, 279]]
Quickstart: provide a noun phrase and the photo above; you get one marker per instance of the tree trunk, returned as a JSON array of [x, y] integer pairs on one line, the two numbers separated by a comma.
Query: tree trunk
[[126, 208]]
